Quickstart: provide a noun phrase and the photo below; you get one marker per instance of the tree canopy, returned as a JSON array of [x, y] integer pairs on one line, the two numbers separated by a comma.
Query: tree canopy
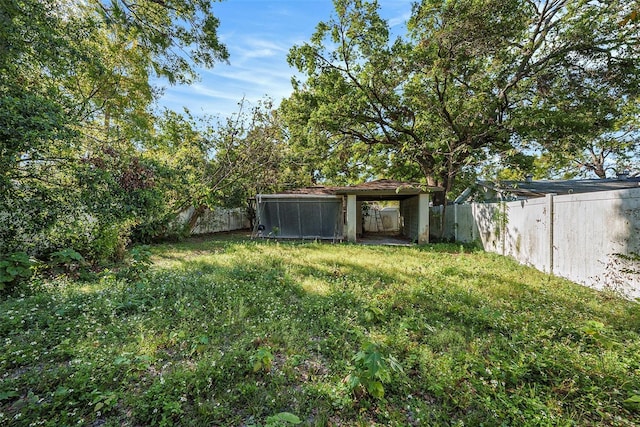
[[507, 87], [470, 81], [76, 110]]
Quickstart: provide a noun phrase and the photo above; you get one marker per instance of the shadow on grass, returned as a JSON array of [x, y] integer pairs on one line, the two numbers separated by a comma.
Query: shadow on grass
[[179, 348]]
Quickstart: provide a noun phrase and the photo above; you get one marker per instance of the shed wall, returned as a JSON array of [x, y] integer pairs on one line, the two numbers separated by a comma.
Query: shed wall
[[301, 218], [409, 212]]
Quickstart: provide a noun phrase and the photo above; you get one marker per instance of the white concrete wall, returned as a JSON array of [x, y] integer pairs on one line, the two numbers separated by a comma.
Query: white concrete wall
[[579, 237], [389, 221], [523, 228], [390, 218], [590, 230]]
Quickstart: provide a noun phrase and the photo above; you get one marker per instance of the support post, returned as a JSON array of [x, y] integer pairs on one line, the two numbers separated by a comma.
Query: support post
[[352, 218], [550, 219], [455, 222], [423, 219]]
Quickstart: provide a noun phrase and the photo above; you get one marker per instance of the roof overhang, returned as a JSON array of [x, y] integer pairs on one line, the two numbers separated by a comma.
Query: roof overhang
[[380, 194], [383, 189], [285, 196], [386, 190]]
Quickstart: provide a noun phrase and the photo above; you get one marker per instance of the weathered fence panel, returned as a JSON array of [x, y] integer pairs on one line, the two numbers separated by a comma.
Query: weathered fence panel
[[436, 222], [589, 238], [217, 220], [592, 235]]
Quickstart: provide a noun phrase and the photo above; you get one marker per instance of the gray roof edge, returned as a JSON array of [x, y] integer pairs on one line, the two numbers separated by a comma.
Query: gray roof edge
[[297, 196]]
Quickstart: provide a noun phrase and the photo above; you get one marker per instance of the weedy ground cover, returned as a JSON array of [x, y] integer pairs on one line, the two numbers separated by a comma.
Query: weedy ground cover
[[254, 333]]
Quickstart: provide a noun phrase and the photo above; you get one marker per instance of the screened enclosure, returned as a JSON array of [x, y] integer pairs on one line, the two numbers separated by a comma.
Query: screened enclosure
[[300, 216]]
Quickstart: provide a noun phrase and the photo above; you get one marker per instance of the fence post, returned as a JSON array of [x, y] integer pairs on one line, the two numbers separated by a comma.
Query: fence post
[[474, 223], [503, 225], [550, 217], [455, 222]]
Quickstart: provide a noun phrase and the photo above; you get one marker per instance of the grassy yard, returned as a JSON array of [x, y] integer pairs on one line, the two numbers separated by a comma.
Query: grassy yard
[[231, 332]]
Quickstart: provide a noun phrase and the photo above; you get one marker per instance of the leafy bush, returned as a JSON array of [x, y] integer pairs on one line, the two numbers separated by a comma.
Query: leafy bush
[[261, 360], [372, 369], [137, 263], [111, 240], [14, 268], [67, 260]]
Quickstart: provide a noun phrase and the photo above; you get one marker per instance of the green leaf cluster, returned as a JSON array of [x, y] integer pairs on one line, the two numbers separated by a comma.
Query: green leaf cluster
[[372, 370], [471, 87], [262, 360], [77, 116], [13, 268]]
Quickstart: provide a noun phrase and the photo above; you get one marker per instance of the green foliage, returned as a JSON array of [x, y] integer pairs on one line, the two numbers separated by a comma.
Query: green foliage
[[481, 339], [470, 83], [261, 360], [136, 264], [66, 256], [373, 314], [372, 370], [67, 261], [632, 403], [596, 331], [141, 256], [76, 105], [282, 419], [14, 267], [199, 345], [251, 157]]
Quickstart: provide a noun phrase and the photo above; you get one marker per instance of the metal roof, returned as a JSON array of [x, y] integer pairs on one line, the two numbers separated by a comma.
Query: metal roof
[[541, 188], [382, 189]]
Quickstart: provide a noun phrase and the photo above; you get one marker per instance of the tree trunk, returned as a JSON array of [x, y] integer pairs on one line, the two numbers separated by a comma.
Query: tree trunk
[[195, 216], [439, 198]]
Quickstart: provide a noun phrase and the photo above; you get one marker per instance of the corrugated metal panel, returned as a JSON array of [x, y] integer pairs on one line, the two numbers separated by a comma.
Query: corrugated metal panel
[[301, 217]]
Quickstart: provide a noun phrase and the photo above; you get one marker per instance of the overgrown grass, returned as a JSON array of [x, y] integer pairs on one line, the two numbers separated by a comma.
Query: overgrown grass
[[232, 332]]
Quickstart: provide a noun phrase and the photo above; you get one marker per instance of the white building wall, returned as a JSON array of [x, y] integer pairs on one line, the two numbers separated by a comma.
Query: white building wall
[[390, 217]]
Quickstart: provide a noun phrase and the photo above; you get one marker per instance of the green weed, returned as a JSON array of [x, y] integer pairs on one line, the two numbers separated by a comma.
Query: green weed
[[261, 360], [233, 332], [372, 370], [14, 267]]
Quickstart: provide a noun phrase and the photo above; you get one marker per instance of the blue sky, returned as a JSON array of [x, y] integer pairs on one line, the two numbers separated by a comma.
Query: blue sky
[[259, 34]]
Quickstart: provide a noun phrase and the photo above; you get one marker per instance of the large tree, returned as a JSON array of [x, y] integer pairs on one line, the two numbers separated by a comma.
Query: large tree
[[454, 90], [583, 113], [208, 163], [75, 107]]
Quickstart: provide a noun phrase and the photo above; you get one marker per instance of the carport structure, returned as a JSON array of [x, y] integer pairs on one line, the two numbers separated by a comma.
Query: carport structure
[[334, 213]]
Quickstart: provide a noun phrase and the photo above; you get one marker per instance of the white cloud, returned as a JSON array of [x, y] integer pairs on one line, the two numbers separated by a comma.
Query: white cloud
[[258, 50]]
